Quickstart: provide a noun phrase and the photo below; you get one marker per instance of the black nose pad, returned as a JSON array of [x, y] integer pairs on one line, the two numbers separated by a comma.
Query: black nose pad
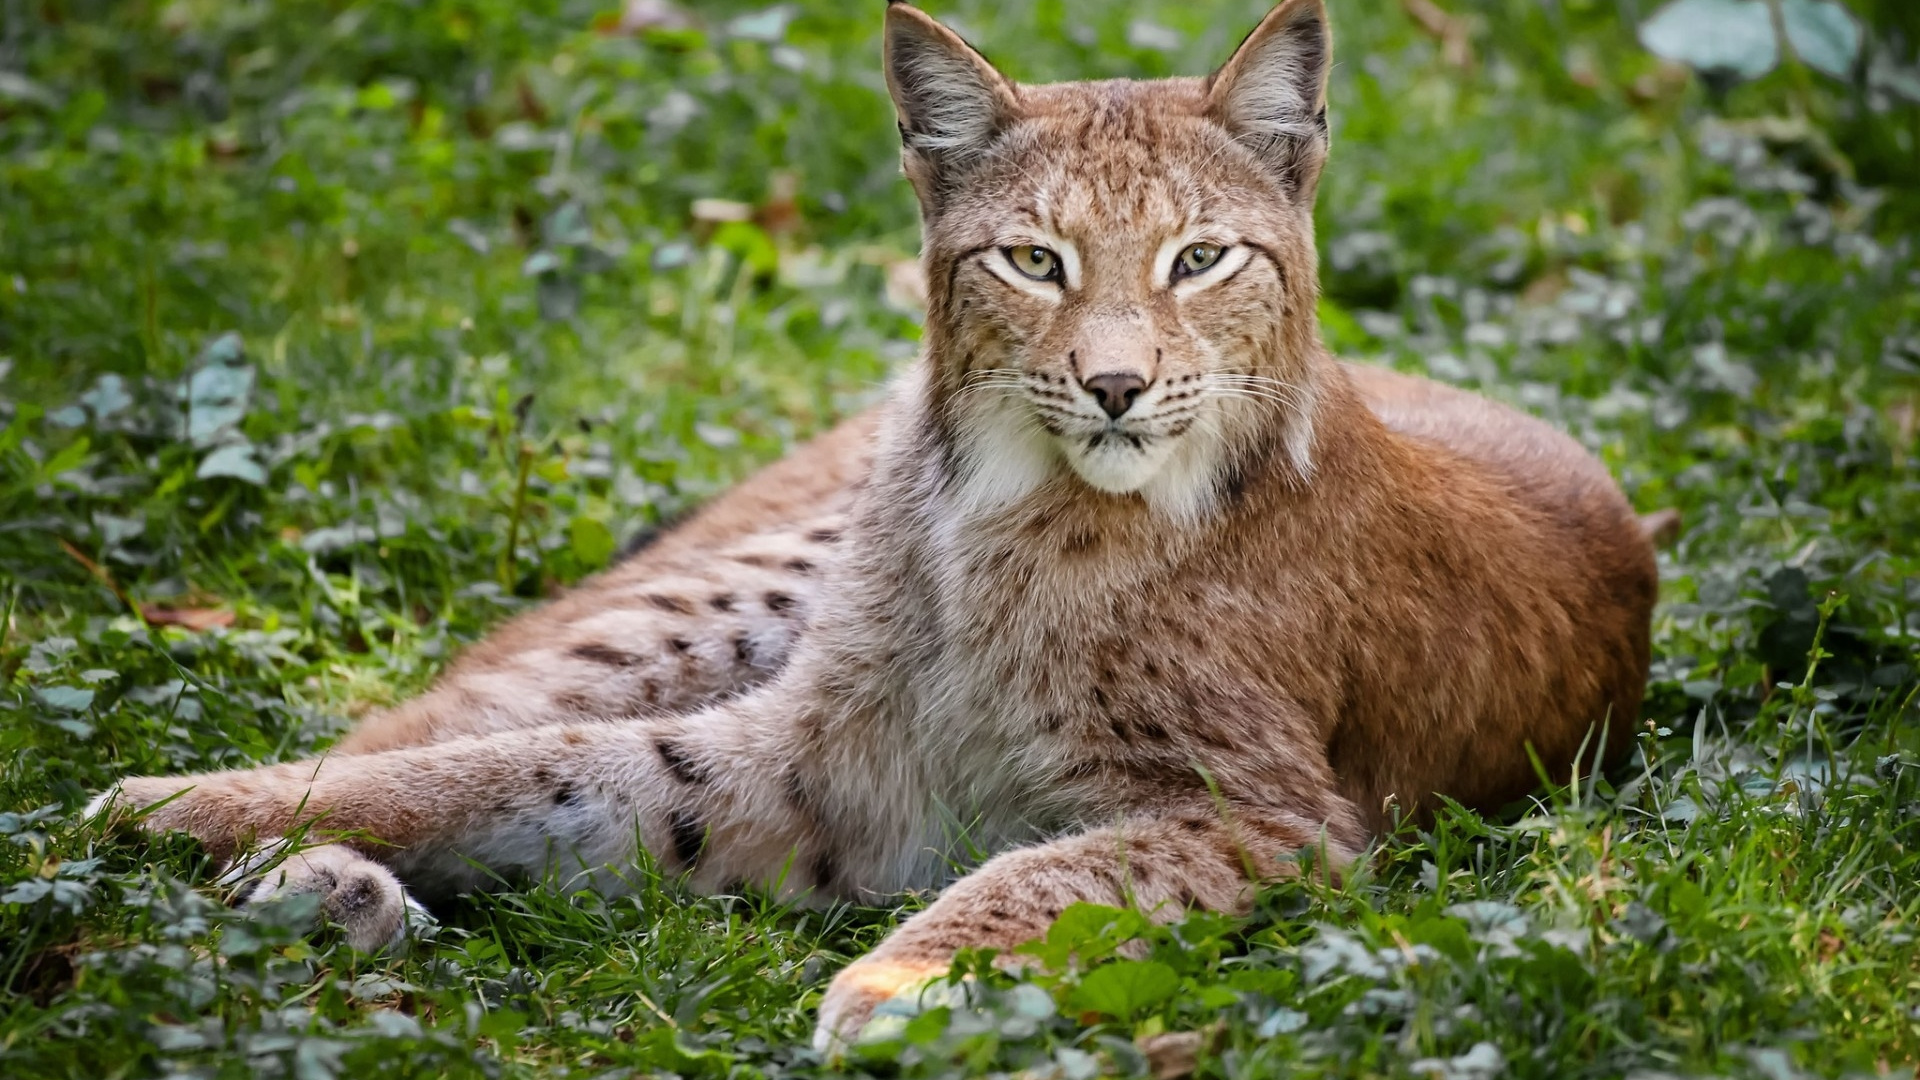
[[1116, 392]]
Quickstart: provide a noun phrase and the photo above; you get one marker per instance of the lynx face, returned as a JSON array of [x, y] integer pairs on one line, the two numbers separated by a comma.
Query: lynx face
[[1123, 270]]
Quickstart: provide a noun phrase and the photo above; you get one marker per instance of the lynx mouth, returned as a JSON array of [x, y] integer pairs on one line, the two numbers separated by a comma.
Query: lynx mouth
[[1116, 460], [1116, 437]]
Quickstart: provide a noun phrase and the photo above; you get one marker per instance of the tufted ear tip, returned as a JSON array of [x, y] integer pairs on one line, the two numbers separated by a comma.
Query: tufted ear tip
[[1272, 93], [950, 100]]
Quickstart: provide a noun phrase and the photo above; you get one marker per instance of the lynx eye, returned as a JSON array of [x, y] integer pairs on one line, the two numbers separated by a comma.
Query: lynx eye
[[1196, 259], [1035, 262]]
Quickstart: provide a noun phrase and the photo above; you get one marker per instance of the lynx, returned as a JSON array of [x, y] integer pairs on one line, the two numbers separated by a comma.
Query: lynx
[[1129, 581]]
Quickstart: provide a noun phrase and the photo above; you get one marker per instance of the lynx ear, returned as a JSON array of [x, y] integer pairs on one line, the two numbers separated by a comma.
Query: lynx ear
[[1272, 94], [951, 101]]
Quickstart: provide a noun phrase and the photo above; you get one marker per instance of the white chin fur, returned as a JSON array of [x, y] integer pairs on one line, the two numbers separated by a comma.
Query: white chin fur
[[1005, 456], [1179, 478], [1115, 466]]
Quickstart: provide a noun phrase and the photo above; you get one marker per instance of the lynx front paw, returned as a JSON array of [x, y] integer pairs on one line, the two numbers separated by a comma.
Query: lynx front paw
[[357, 894], [860, 989]]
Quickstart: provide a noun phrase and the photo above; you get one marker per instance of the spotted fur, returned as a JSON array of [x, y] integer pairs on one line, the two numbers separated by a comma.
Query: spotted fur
[[1149, 656]]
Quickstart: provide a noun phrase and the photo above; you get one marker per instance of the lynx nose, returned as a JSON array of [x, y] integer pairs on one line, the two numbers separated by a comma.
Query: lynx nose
[[1115, 392]]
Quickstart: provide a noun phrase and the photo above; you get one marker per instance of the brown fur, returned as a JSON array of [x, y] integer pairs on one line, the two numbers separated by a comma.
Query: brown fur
[[1149, 655]]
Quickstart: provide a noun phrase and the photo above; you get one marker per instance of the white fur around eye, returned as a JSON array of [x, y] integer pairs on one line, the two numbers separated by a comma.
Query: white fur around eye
[[1232, 258], [1070, 277]]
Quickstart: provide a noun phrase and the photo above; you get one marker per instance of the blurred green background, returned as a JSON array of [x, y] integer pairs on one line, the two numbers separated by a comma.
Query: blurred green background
[[331, 333]]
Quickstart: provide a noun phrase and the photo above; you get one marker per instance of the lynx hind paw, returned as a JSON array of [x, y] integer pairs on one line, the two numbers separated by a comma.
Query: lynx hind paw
[[861, 990], [357, 894]]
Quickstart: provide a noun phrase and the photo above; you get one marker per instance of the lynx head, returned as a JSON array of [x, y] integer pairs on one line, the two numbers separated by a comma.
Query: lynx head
[[1121, 274]]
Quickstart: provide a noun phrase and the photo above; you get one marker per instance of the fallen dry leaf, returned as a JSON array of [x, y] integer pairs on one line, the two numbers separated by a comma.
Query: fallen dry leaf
[[715, 211], [1174, 1054], [780, 212], [197, 619], [1904, 415], [638, 15], [1449, 30]]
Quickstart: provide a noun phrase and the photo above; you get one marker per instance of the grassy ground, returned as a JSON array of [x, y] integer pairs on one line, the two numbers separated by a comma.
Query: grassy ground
[[330, 334]]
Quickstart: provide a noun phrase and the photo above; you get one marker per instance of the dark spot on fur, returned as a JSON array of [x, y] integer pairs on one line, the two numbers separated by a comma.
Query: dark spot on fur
[[683, 767], [1051, 723], [778, 601], [799, 566], [358, 895], [566, 796], [722, 602], [677, 605], [800, 796], [644, 539], [1099, 697], [576, 702], [743, 649], [689, 837], [1213, 738], [825, 871], [680, 645], [543, 776], [1193, 825], [1121, 732], [603, 654], [1152, 730], [824, 536], [1235, 486]]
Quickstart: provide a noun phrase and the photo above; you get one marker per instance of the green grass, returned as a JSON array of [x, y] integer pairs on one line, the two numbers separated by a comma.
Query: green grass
[[386, 260]]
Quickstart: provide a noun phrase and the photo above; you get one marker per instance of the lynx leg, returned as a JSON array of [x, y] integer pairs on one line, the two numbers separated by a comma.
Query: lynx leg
[[706, 795], [1161, 864], [656, 636]]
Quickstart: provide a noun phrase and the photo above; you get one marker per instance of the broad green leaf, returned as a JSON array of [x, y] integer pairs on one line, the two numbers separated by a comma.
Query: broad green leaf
[[108, 396], [750, 244], [236, 460], [1823, 34], [1124, 988], [66, 698], [26, 892], [1733, 36], [769, 25], [592, 541], [217, 393]]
